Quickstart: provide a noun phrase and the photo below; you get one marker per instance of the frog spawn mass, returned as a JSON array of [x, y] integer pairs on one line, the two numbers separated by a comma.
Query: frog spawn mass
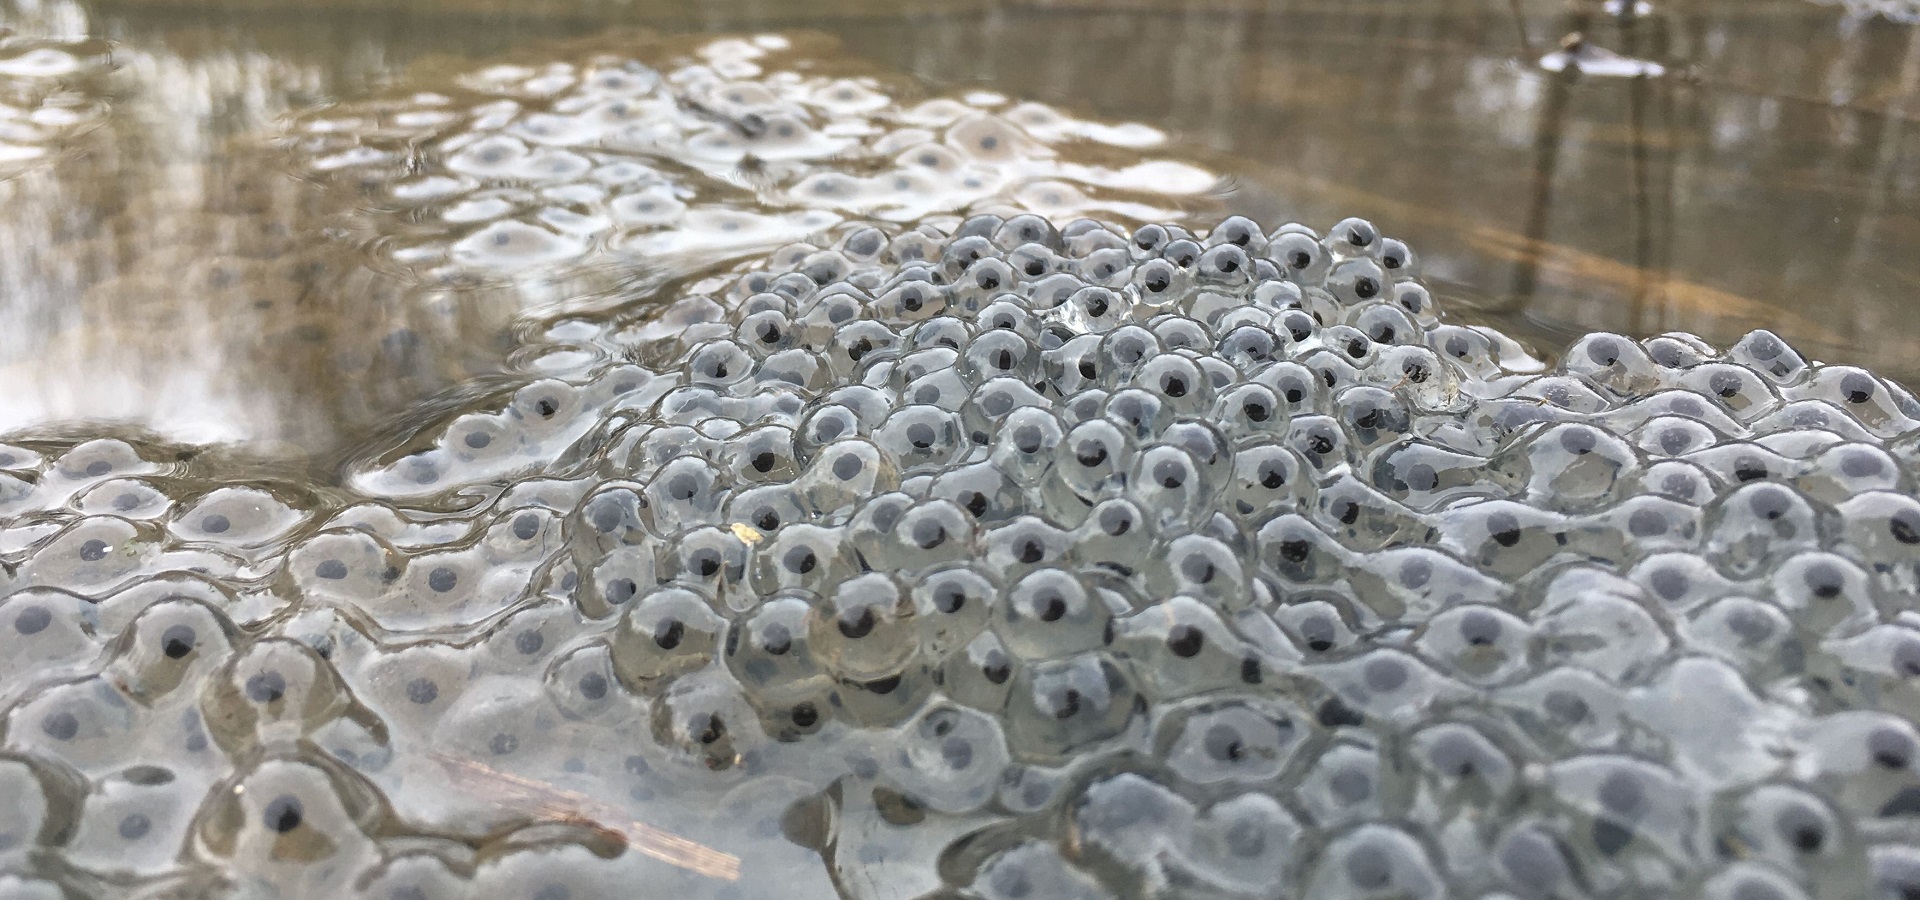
[[1007, 561], [739, 146]]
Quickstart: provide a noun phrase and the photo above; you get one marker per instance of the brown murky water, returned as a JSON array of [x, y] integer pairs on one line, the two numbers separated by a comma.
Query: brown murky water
[[158, 274]]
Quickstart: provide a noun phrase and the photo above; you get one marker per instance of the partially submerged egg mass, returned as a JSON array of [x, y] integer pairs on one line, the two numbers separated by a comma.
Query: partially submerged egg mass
[[1027, 558]]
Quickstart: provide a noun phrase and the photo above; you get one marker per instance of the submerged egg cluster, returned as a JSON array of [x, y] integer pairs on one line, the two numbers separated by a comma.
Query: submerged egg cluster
[[740, 146], [1005, 560]]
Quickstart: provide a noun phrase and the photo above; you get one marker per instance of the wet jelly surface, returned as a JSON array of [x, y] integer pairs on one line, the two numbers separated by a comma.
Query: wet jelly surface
[[949, 527]]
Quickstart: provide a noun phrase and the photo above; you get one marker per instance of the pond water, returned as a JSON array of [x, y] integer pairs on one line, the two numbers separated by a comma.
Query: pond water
[[896, 450]]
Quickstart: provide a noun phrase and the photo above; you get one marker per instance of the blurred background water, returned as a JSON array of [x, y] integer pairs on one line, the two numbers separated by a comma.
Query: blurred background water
[[157, 270]]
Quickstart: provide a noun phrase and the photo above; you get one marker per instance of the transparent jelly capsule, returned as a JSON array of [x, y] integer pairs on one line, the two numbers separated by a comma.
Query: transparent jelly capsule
[[1059, 708], [665, 633], [863, 632], [1048, 614], [1245, 741], [294, 823], [950, 758]]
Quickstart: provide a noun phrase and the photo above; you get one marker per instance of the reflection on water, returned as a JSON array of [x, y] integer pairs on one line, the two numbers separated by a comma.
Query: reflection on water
[[162, 270]]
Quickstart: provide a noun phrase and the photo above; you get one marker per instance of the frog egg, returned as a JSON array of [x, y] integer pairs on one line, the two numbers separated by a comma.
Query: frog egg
[[993, 401], [1737, 390], [1566, 710], [1114, 536], [1574, 466], [998, 352], [291, 824], [980, 675], [807, 557], [1823, 594], [824, 424], [1168, 482], [669, 632], [171, 645], [1505, 538], [1758, 522], [581, 683], [862, 633], [134, 822], [1296, 551], [1023, 544], [1597, 624], [101, 458], [1375, 860], [915, 246], [920, 437], [1098, 456], [1751, 635], [658, 446], [1248, 412], [685, 493], [703, 722], [1060, 708], [127, 498], [1137, 822], [1047, 614], [857, 344], [344, 566], [1863, 396], [499, 721], [1533, 860], [980, 490], [1342, 783], [1248, 346], [1214, 741], [1033, 869], [1481, 645], [1389, 684], [770, 653], [1183, 253], [1847, 470], [1793, 828], [910, 302], [1315, 625], [1674, 436], [709, 559], [95, 554], [84, 724], [236, 515], [951, 606], [275, 690], [1460, 767], [1623, 801], [1096, 308], [1372, 416], [1025, 445], [949, 758], [1142, 414], [43, 631], [527, 639], [1125, 349], [1319, 440], [1266, 478]]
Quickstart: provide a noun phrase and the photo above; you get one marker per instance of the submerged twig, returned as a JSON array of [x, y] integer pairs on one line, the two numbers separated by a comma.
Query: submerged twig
[[559, 804]]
